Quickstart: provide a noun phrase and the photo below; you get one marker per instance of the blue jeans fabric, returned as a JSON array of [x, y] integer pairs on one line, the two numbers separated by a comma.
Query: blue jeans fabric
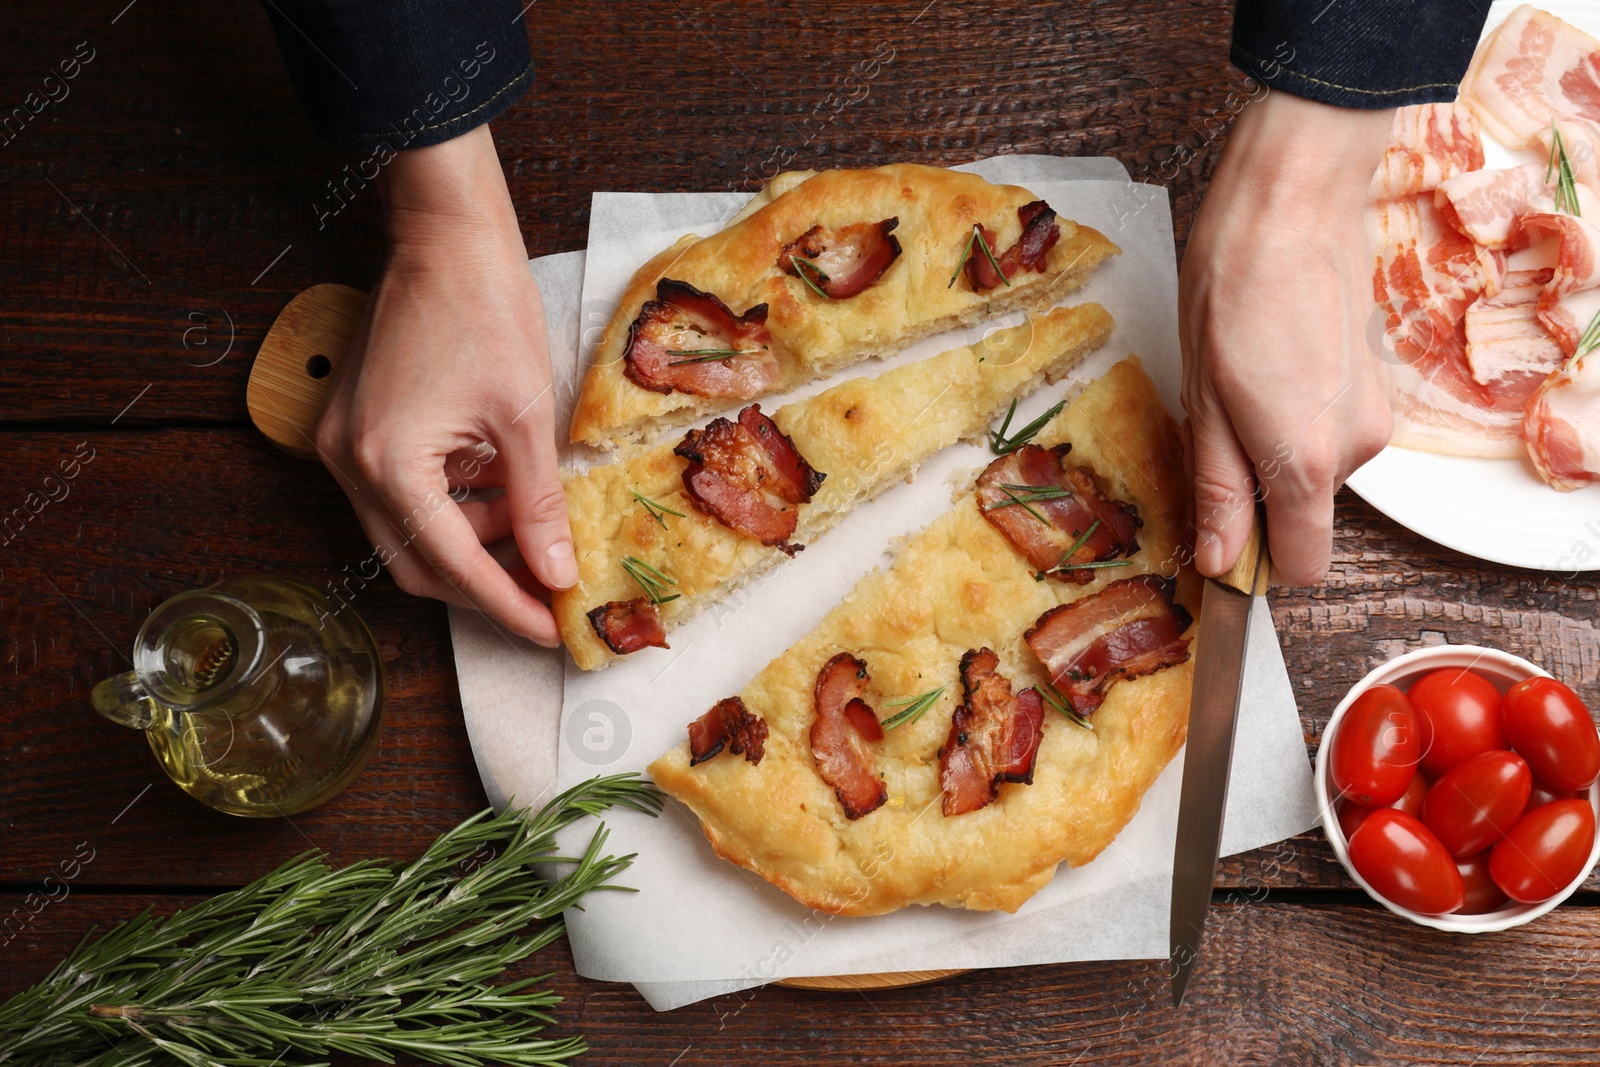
[[402, 73], [1358, 53]]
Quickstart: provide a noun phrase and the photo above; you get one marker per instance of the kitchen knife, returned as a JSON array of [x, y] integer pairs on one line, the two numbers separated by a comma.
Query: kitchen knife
[[1213, 713]]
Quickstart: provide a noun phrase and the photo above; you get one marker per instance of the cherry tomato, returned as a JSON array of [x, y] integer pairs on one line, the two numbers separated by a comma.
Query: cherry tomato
[[1478, 801], [1547, 849], [1402, 860], [1458, 715], [1542, 794], [1375, 749], [1482, 894], [1351, 816], [1550, 728]]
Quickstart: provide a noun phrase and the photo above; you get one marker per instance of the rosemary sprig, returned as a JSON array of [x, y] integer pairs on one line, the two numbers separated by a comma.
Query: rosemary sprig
[[1004, 444], [1566, 184], [1590, 338], [914, 707], [1060, 703], [1082, 540], [655, 510], [375, 960], [1027, 494], [654, 582], [966, 253], [822, 277], [1025, 505], [704, 355]]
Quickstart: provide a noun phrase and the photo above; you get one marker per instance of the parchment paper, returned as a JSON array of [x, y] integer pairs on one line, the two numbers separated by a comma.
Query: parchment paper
[[623, 717]]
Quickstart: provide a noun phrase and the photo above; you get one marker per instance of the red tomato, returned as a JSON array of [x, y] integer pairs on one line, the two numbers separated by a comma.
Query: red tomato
[[1477, 801], [1351, 816], [1550, 728], [1375, 748], [1548, 848], [1458, 715], [1542, 794], [1482, 894], [1402, 860]]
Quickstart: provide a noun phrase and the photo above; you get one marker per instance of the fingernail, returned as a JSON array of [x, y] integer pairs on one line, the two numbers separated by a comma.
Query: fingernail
[[1207, 551], [561, 566]]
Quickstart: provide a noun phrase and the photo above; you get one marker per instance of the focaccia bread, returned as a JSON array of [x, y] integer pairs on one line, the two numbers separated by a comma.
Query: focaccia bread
[[864, 435], [912, 225], [956, 586]]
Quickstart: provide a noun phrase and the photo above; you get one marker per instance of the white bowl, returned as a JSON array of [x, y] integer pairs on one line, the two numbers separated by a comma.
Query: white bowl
[[1504, 670]]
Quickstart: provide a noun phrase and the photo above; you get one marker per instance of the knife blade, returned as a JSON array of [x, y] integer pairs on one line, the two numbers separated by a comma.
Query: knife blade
[[1213, 715]]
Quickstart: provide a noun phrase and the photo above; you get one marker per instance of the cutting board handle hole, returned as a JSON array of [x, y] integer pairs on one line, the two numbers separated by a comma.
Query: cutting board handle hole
[[319, 366]]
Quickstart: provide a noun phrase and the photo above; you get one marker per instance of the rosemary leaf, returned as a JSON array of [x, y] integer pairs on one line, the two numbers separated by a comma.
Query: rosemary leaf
[[1015, 499], [978, 232], [962, 262], [704, 355], [655, 582], [914, 707], [655, 510], [1590, 338], [1082, 540], [1566, 185], [1060, 703], [375, 960], [800, 267], [1027, 494], [1004, 445]]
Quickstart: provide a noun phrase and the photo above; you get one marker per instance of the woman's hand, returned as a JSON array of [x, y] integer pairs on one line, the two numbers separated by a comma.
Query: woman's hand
[[1275, 298], [447, 386]]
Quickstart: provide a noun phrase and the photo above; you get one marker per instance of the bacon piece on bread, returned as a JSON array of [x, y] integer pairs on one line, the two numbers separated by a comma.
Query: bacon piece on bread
[[1040, 232], [1129, 628], [844, 726], [728, 724], [994, 736], [1055, 515], [842, 262], [688, 340], [629, 625], [749, 476]]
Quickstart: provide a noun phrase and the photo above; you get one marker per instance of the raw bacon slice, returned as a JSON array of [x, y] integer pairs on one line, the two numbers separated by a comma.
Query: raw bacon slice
[[1533, 69], [1577, 264], [1581, 139], [681, 341], [1489, 205], [1507, 348], [845, 725], [1129, 628], [749, 476], [729, 723], [1428, 143], [1044, 532], [1040, 231], [629, 625], [1562, 425], [1569, 317], [847, 260], [994, 736]]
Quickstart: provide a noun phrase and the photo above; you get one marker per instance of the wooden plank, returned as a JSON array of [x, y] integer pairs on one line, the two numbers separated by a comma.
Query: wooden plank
[[176, 198], [1281, 983]]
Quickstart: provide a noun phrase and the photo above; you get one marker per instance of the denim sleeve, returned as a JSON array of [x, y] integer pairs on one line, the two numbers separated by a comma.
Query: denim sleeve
[[1358, 53], [405, 73]]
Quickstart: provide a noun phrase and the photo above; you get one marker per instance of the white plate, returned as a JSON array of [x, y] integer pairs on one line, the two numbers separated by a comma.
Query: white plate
[[1495, 509]]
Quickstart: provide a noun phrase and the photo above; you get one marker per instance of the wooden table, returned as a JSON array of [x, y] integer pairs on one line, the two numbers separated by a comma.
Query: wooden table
[[159, 217]]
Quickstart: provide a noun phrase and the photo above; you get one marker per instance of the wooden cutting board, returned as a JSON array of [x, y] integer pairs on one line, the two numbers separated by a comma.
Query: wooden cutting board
[[289, 383]]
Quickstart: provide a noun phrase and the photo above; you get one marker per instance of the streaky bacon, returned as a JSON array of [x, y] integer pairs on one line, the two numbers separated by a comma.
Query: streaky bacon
[[1129, 628], [994, 736], [629, 625], [1045, 544], [841, 733], [1532, 69], [1569, 317], [729, 723], [1507, 348], [749, 476], [850, 258], [1040, 232], [1562, 426], [1489, 206], [1428, 143], [682, 319], [1577, 265]]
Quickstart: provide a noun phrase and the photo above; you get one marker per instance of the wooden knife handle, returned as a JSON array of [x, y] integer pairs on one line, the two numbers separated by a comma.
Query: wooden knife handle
[[1252, 574]]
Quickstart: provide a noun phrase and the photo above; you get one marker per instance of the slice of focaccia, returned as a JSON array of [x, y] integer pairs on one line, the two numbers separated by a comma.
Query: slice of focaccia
[[642, 535], [841, 266], [905, 752]]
